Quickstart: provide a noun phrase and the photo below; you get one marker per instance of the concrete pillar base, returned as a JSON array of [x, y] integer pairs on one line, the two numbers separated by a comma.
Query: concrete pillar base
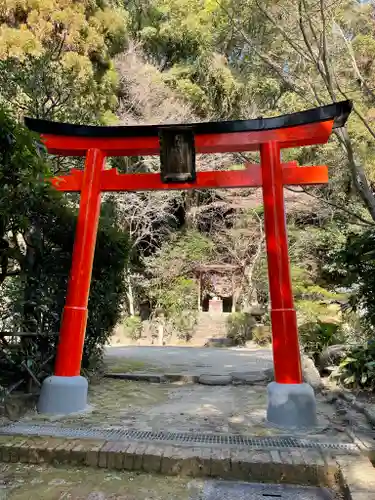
[[291, 406], [63, 395]]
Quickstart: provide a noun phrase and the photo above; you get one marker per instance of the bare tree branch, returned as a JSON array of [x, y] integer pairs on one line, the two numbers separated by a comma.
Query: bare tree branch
[[334, 205]]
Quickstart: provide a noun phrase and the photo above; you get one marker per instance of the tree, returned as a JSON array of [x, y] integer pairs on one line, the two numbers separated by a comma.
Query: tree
[[37, 233], [180, 38], [242, 245], [148, 219], [318, 52], [170, 283], [55, 58]]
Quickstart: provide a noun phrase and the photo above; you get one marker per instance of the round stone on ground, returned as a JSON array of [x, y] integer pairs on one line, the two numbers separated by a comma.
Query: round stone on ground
[[215, 379], [332, 355]]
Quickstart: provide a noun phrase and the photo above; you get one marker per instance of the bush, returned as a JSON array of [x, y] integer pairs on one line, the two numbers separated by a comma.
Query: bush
[[33, 213], [262, 335], [133, 327], [357, 370], [183, 324], [316, 336], [358, 260], [240, 327]]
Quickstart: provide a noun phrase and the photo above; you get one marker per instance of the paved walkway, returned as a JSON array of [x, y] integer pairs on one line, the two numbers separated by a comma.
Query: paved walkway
[[196, 360]]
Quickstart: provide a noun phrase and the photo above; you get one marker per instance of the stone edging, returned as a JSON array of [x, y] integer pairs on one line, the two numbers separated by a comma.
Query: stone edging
[[250, 378], [356, 478], [154, 377], [351, 399], [289, 466]]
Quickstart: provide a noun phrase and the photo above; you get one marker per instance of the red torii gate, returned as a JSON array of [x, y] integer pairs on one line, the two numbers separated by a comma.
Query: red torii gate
[[290, 401]]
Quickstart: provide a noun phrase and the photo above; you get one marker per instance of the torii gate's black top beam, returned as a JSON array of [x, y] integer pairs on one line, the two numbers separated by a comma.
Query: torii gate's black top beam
[[338, 112]]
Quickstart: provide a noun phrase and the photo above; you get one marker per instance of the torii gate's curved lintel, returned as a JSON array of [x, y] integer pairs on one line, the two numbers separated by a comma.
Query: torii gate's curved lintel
[[291, 403], [297, 129]]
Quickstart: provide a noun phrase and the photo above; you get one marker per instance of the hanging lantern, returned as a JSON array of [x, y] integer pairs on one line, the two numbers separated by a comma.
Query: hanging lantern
[[177, 154]]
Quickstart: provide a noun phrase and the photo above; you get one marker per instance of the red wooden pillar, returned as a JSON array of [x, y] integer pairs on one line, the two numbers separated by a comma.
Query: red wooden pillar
[[286, 353], [73, 324]]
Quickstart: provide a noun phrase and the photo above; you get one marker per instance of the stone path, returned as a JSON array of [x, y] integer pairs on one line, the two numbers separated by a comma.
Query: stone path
[[179, 407], [193, 408], [313, 467], [195, 360], [30, 481]]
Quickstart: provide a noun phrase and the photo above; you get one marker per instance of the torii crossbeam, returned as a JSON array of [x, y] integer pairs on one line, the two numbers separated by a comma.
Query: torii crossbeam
[[290, 402]]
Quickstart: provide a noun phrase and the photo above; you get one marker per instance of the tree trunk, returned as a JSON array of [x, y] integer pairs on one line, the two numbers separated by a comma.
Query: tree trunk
[[160, 333], [358, 174], [130, 295]]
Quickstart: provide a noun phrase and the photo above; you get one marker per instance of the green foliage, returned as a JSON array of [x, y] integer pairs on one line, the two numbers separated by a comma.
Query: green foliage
[[22, 171], [171, 286], [133, 327], [357, 370], [57, 60], [37, 232], [176, 299], [177, 257], [316, 336], [240, 327], [183, 323], [181, 294], [358, 259], [208, 85], [226, 59], [262, 335]]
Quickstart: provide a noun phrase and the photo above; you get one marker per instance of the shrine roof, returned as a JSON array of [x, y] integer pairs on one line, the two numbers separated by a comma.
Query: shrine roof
[[215, 268], [338, 112]]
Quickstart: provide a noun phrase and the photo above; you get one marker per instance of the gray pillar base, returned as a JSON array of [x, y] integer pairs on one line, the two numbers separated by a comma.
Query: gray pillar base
[[291, 406], [63, 395]]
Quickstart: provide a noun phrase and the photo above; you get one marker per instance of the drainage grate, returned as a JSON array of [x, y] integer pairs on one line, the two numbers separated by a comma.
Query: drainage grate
[[188, 438]]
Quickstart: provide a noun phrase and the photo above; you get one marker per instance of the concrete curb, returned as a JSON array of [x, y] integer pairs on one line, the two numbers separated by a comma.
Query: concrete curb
[[156, 378], [355, 476], [137, 376], [304, 467], [186, 378]]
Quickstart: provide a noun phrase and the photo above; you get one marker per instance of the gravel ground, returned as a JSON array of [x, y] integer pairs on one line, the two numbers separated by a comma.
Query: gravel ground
[[192, 408], [194, 360]]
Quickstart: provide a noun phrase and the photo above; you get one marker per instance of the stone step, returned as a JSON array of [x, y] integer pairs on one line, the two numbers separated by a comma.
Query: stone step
[[236, 490]]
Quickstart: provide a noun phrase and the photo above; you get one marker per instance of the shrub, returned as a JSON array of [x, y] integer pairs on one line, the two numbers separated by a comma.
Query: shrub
[[133, 327], [357, 370], [262, 335], [32, 213], [183, 324], [316, 336], [358, 260], [240, 327]]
